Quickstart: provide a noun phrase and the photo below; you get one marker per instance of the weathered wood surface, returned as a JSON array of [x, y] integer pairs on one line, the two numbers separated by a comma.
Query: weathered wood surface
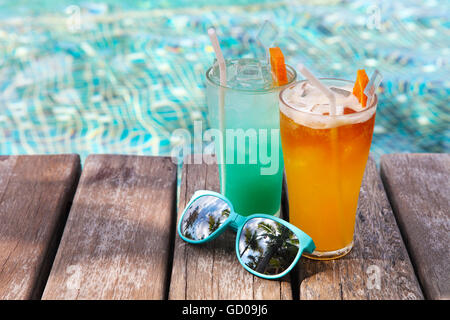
[[378, 267], [35, 196], [418, 186], [118, 234], [212, 270]]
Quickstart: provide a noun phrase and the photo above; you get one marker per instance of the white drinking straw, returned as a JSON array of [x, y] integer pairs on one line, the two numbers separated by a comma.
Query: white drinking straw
[[315, 82], [222, 67], [372, 86], [223, 83]]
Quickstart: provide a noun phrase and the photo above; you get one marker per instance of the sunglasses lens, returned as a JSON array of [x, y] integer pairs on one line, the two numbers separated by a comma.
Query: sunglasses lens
[[204, 216], [267, 247]]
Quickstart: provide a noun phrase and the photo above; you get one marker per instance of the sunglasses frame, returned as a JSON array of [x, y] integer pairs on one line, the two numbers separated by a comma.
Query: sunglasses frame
[[236, 222]]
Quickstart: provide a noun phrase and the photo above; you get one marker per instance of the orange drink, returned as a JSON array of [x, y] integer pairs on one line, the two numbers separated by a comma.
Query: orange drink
[[325, 157]]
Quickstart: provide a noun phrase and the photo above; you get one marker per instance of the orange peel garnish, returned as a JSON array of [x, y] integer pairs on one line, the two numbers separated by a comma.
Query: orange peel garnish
[[279, 72], [360, 84]]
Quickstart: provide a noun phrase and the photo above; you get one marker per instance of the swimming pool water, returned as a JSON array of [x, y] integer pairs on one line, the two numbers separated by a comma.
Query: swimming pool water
[[118, 77]]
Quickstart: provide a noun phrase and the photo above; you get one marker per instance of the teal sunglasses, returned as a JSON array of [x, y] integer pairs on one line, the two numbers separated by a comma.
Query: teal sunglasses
[[266, 246]]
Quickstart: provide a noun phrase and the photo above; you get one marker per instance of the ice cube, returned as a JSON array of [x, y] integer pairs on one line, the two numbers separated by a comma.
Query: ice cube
[[302, 89], [340, 91], [231, 70], [267, 34], [322, 109], [249, 71], [243, 73], [267, 75], [249, 74]]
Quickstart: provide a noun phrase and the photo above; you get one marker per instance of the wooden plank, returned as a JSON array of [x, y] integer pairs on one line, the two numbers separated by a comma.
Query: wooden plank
[[212, 270], [116, 244], [418, 186], [378, 267], [35, 196]]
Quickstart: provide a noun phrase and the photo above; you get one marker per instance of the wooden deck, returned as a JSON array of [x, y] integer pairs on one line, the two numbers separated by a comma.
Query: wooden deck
[[107, 231]]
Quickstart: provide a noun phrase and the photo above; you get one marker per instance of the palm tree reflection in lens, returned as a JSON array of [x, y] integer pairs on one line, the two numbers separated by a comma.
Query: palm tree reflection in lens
[[204, 216], [267, 247]]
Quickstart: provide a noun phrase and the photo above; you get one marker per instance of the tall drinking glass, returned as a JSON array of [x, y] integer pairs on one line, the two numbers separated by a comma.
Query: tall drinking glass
[[325, 157], [251, 166]]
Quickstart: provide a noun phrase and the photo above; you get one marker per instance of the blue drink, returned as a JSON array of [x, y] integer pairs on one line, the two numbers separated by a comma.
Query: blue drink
[[251, 166]]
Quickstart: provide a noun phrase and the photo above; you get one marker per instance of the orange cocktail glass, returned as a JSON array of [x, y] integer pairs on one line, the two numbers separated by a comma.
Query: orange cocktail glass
[[325, 157]]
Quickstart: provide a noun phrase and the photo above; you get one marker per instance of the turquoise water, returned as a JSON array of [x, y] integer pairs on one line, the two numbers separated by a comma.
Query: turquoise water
[[117, 77]]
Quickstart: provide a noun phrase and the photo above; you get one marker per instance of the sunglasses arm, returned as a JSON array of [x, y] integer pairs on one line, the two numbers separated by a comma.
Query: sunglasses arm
[[309, 245]]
